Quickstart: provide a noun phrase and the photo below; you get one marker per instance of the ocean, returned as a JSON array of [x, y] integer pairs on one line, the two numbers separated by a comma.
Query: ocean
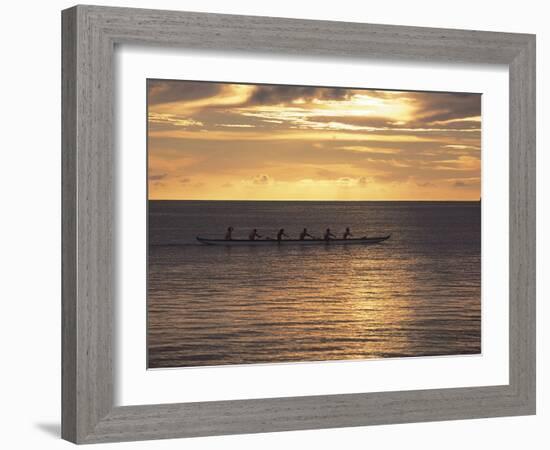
[[416, 294]]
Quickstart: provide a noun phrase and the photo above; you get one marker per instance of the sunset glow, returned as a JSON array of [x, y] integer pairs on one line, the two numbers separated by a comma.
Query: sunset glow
[[219, 141]]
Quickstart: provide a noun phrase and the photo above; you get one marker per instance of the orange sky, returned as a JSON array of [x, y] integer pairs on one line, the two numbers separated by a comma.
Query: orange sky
[[220, 141]]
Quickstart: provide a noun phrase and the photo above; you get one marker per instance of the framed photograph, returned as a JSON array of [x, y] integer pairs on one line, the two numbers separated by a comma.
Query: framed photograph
[[268, 222]]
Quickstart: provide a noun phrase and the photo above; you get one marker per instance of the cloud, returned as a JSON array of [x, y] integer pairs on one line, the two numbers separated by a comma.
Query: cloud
[[236, 125], [352, 182], [345, 181], [276, 95], [168, 91], [371, 151], [327, 173], [360, 121], [243, 137], [468, 183], [262, 180], [173, 119], [439, 107], [427, 110], [461, 147]]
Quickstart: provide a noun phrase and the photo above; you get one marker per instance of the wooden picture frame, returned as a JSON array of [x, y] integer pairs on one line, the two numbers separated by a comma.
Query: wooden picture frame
[[90, 34]]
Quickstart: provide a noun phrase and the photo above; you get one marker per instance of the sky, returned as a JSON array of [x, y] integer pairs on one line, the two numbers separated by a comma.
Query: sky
[[222, 141]]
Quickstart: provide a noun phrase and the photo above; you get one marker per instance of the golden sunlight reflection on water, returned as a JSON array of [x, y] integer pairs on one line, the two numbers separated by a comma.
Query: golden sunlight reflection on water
[[416, 294]]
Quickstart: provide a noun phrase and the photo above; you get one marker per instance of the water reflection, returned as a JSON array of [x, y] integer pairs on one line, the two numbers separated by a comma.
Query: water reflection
[[416, 294]]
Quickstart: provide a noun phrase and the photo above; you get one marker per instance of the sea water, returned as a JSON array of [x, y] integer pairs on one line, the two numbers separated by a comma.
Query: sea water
[[416, 294]]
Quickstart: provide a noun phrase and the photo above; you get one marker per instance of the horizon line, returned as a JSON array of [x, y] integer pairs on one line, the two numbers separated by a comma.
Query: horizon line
[[310, 200]]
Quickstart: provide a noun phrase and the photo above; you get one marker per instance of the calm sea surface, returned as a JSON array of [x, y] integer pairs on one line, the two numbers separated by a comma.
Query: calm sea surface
[[417, 294]]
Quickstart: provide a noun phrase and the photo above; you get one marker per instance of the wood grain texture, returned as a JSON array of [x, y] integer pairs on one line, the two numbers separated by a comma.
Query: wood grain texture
[[89, 37], [68, 225], [88, 210], [523, 224]]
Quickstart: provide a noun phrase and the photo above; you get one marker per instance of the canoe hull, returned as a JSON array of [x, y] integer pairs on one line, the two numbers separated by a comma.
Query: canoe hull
[[287, 242]]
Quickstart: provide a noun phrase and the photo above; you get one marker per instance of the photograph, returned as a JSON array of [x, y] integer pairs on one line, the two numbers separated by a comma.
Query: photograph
[[293, 224]]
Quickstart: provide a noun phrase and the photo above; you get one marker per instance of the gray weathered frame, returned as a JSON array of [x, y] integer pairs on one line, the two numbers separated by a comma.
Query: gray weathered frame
[[89, 36]]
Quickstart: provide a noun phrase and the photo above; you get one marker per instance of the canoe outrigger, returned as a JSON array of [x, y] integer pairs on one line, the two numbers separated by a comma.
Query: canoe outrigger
[[257, 242]]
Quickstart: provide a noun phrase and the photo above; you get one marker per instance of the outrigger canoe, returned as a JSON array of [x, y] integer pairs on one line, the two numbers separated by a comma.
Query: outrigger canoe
[[262, 242]]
